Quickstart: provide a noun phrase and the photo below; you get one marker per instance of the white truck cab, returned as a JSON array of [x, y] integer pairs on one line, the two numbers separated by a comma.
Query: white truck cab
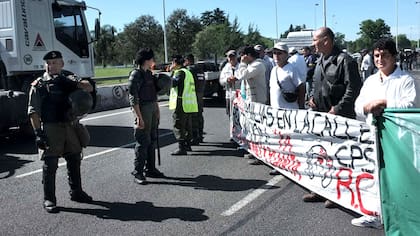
[[28, 30]]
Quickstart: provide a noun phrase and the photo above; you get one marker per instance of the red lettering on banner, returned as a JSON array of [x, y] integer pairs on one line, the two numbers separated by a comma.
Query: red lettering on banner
[[359, 196], [347, 184]]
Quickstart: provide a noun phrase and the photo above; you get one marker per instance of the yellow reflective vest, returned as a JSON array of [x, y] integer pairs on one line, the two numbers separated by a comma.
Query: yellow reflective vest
[[189, 98]]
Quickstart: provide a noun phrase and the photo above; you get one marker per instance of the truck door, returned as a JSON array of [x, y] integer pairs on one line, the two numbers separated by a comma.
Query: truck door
[[70, 29]]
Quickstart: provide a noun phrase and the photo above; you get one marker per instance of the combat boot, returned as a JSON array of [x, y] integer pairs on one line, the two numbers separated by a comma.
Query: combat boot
[[180, 151]]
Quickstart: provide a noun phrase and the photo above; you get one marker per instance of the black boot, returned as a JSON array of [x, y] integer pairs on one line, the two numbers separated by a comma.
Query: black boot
[[49, 170], [180, 151], [73, 170], [150, 170], [187, 146]]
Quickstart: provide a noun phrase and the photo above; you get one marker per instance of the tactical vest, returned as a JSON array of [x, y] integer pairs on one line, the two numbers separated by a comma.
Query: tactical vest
[[54, 95], [189, 98]]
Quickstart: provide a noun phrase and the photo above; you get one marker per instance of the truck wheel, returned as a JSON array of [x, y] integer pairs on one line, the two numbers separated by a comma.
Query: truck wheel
[[221, 93], [3, 76]]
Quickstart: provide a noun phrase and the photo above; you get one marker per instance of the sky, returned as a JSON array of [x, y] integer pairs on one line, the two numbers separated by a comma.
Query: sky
[[343, 16]]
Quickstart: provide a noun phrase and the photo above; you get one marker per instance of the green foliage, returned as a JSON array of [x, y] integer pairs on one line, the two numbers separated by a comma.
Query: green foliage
[[403, 41], [371, 31], [112, 71], [145, 31], [181, 31], [216, 16], [105, 46]]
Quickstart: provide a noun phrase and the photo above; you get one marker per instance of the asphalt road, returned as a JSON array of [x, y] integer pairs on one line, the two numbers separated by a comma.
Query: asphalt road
[[212, 191]]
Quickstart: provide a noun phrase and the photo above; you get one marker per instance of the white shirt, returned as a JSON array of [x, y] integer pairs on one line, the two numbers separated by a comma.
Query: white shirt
[[253, 75], [398, 89], [367, 63], [289, 80], [227, 71], [298, 61]]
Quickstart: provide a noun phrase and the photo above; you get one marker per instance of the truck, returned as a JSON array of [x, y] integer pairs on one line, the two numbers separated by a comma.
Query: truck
[[28, 30]]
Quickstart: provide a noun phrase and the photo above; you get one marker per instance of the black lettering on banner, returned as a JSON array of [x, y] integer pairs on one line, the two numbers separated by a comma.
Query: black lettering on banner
[[356, 153], [364, 136], [327, 127], [268, 117], [366, 154], [316, 115], [280, 119], [306, 123]]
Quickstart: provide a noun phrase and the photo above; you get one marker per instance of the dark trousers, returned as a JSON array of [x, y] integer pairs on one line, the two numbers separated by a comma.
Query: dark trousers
[[146, 139], [198, 119], [49, 170], [182, 125]]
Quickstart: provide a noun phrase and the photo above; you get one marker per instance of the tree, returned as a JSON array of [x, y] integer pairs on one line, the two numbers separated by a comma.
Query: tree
[[210, 42], [216, 16], [181, 31], [403, 42], [371, 31], [253, 37], [104, 47], [339, 40], [145, 31]]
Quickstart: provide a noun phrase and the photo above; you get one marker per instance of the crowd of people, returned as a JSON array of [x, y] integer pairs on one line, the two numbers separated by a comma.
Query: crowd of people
[[322, 78], [327, 80]]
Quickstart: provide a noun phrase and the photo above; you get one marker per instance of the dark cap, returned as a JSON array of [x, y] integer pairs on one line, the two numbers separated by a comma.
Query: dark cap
[[178, 59], [52, 55]]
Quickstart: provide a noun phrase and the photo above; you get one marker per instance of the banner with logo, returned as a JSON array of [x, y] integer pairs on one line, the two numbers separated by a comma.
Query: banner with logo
[[399, 132], [327, 154]]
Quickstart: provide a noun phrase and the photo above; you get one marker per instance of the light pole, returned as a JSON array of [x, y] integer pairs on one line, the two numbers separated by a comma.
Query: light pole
[[325, 13], [418, 30], [316, 4], [396, 37], [164, 33], [277, 23]]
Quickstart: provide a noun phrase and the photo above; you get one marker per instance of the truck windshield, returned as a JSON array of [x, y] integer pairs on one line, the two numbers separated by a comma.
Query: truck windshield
[[70, 29]]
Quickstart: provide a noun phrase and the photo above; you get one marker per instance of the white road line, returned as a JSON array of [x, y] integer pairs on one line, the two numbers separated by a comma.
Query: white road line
[[103, 116], [92, 155], [252, 196], [114, 114]]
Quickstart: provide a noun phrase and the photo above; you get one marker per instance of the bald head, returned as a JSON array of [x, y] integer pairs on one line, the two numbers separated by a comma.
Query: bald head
[[323, 40]]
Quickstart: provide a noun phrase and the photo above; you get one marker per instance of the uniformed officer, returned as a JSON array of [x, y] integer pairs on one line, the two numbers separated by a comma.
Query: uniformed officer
[[142, 88], [183, 100], [197, 118], [56, 133]]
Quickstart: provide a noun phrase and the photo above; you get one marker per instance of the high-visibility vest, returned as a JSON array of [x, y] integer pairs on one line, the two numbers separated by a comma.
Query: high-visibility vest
[[189, 98]]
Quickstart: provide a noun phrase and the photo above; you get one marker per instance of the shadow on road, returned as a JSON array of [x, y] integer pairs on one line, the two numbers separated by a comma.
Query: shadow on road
[[9, 165], [116, 136], [214, 102], [140, 211], [213, 183], [224, 149]]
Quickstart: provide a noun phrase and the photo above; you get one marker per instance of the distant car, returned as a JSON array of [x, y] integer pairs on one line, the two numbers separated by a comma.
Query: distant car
[[211, 76]]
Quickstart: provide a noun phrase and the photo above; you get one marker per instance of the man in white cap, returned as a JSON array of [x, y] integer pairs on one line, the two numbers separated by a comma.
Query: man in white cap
[[298, 61], [229, 70], [269, 64]]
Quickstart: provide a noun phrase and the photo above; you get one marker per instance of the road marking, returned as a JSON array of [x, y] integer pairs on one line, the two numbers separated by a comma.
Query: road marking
[[114, 114], [252, 196], [92, 155]]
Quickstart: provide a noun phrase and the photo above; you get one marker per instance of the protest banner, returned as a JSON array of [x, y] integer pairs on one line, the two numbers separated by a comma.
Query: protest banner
[[399, 132], [327, 154]]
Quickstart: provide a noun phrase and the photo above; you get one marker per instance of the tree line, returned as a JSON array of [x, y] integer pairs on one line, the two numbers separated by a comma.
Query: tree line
[[207, 37]]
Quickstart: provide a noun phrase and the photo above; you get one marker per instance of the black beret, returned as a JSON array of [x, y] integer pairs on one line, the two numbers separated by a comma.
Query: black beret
[[178, 59], [52, 55]]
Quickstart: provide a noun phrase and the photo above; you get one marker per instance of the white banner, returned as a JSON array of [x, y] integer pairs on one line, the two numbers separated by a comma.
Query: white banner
[[327, 154]]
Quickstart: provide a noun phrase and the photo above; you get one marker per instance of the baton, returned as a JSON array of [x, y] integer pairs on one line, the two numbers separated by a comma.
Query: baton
[[157, 144]]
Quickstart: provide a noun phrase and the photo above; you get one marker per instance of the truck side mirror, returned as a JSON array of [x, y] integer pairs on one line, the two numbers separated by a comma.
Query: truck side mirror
[[97, 28]]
